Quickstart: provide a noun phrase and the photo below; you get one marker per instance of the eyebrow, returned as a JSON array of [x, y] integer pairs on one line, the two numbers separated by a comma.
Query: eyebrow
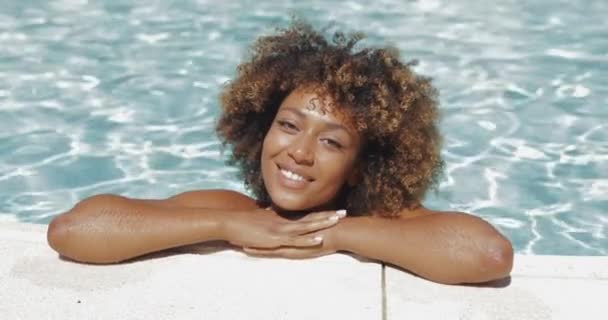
[[329, 124]]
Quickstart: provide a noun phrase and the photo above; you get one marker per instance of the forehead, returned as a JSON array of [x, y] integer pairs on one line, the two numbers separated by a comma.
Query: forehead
[[315, 103]]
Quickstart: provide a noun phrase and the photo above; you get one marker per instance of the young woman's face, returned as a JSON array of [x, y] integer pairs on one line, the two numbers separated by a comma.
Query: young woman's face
[[308, 153]]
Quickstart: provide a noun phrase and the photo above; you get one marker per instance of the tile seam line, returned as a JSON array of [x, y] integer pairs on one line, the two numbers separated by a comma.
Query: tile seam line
[[383, 288]]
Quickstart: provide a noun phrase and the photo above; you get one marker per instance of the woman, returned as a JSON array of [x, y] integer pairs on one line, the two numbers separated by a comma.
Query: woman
[[338, 147]]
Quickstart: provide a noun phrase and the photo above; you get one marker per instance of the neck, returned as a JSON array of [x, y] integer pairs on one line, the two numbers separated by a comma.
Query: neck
[[297, 214]]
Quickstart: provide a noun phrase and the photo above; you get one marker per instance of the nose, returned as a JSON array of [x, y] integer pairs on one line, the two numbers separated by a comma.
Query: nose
[[302, 151]]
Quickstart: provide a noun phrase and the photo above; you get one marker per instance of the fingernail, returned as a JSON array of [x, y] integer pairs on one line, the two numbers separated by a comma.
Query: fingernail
[[341, 213], [334, 218], [318, 239]]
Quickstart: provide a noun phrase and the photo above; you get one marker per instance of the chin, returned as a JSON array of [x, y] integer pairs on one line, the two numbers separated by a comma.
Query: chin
[[287, 204], [298, 202]]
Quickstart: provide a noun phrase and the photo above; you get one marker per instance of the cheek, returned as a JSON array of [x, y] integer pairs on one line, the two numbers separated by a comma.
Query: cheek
[[336, 168], [268, 145], [274, 141]]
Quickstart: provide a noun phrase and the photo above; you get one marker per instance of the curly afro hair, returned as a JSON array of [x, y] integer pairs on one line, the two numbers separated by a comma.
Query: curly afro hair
[[393, 109]]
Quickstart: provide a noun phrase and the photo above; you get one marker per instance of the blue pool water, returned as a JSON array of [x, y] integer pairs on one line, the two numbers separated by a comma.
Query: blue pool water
[[121, 97]]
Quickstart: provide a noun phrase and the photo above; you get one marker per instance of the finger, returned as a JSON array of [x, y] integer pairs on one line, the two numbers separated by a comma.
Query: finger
[[289, 253], [323, 221], [301, 253], [323, 215], [267, 253], [303, 241], [297, 228], [261, 252]]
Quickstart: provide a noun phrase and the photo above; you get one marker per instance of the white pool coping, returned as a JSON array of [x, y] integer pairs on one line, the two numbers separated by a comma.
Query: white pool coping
[[212, 282]]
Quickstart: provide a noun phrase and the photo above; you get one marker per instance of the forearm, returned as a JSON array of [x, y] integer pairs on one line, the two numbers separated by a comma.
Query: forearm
[[446, 248], [107, 229]]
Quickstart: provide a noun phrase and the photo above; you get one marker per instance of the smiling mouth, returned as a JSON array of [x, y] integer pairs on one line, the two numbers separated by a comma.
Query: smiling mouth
[[291, 175], [291, 179]]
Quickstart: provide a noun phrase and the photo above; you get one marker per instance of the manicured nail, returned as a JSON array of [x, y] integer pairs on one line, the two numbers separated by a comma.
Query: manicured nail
[[341, 213], [334, 218], [318, 239]]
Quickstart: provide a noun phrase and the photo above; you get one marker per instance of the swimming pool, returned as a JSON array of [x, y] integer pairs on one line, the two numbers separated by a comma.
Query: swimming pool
[[121, 97]]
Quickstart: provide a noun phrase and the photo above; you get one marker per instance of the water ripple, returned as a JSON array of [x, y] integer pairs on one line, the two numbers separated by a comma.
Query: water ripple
[[121, 97]]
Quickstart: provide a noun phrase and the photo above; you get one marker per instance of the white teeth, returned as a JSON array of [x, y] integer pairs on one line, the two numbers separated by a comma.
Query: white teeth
[[291, 175]]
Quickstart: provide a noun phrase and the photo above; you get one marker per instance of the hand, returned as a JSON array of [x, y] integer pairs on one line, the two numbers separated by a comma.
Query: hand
[[263, 228], [289, 252]]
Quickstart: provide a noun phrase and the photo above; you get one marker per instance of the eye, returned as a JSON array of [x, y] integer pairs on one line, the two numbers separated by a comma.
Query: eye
[[332, 143], [287, 125]]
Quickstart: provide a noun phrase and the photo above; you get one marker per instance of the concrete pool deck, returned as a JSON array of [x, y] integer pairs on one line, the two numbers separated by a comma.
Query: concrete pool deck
[[214, 282]]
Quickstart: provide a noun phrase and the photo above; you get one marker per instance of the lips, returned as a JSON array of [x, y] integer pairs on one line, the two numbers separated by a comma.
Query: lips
[[292, 178]]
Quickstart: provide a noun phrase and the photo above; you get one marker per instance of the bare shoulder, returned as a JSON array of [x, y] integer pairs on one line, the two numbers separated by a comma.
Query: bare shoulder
[[210, 199], [419, 211], [433, 216], [213, 198]]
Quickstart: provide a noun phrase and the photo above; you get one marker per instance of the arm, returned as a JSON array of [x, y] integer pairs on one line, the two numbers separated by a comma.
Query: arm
[[443, 247], [110, 228]]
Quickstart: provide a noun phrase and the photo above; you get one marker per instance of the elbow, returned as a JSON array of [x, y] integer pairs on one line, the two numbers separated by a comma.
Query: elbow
[[57, 234], [63, 237], [493, 263], [68, 235], [497, 262]]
